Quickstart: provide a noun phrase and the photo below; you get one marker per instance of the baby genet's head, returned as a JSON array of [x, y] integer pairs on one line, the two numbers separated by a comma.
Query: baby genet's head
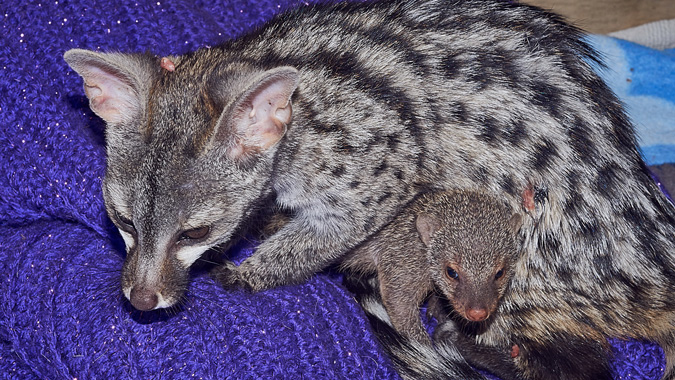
[[472, 242]]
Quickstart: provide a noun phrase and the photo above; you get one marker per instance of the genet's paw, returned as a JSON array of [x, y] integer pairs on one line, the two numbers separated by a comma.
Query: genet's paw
[[230, 277]]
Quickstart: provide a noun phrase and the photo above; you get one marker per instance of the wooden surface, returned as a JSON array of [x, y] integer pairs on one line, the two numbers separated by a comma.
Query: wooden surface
[[605, 16]]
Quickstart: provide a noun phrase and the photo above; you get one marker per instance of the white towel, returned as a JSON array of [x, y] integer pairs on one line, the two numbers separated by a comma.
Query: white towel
[[656, 35]]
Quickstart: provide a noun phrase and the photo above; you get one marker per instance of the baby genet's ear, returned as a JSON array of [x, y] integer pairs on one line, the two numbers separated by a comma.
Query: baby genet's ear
[[515, 223], [257, 120], [116, 84], [426, 225]]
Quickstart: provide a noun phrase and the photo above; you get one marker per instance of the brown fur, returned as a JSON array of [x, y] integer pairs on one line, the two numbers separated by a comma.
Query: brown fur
[[465, 233]]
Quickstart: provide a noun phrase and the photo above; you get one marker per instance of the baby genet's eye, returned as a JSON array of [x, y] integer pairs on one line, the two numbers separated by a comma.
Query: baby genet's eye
[[451, 273], [499, 274]]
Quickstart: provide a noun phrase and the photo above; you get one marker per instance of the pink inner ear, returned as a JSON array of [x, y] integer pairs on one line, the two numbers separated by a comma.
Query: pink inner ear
[[110, 97], [272, 102], [259, 121]]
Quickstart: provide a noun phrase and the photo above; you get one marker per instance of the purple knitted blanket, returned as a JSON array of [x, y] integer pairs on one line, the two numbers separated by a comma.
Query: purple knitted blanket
[[62, 315]]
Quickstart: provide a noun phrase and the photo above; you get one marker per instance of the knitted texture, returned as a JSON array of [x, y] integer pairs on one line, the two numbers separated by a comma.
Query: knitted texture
[[62, 314]]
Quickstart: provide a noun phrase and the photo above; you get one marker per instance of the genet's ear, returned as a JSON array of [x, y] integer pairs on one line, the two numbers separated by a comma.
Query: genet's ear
[[515, 223], [427, 225], [257, 119], [116, 84]]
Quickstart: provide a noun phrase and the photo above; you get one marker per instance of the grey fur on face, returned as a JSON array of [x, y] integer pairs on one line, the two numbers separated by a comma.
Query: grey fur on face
[[346, 113]]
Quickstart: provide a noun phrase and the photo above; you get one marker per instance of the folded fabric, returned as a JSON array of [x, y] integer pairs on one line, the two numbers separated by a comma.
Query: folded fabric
[[658, 35]]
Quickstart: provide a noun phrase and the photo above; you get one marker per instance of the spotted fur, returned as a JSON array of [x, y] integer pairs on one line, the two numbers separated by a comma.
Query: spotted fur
[[346, 112]]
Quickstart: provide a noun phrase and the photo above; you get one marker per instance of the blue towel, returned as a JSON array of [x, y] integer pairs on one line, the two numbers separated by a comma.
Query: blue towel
[[644, 79]]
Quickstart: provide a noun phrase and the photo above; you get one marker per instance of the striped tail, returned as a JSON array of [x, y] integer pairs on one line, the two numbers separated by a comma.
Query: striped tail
[[413, 360]]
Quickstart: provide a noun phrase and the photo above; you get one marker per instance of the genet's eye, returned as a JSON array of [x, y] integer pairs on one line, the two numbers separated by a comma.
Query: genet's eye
[[127, 223], [499, 274], [451, 273], [195, 233]]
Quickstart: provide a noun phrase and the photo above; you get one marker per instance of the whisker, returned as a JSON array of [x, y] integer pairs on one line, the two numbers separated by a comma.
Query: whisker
[[208, 261]]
